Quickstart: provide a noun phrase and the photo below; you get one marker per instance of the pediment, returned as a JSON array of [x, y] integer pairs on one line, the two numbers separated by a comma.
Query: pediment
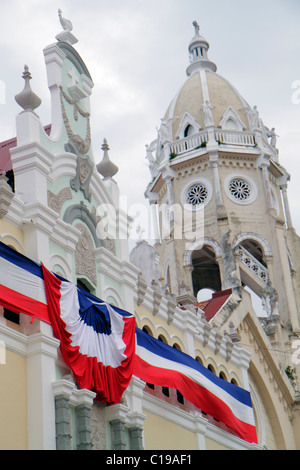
[[231, 121], [186, 121]]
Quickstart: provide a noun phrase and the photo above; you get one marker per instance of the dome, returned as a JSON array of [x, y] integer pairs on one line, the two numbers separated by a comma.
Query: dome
[[228, 108], [206, 99], [207, 111]]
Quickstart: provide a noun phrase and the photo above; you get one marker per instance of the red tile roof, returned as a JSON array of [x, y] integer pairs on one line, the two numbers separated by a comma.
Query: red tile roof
[[212, 306], [5, 159], [5, 146]]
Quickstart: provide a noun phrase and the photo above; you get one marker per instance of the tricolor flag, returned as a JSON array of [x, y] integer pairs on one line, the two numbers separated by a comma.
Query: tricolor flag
[[97, 341], [160, 364], [103, 348], [21, 284]]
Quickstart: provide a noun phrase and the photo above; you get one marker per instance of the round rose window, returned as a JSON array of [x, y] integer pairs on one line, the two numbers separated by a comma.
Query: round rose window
[[239, 189], [196, 194]]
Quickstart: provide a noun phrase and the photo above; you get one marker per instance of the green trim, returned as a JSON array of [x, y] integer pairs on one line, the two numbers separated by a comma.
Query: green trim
[[74, 57]]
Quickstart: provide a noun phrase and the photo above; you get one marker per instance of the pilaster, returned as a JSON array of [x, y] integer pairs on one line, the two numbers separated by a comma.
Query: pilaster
[[41, 373]]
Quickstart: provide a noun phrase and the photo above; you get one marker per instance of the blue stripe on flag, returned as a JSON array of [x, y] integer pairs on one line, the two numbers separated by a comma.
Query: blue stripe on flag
[[93, 314], [20, 260], [164, 350]]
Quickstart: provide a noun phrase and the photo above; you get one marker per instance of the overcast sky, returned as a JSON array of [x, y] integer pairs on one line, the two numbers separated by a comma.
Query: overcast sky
[[136, 52]]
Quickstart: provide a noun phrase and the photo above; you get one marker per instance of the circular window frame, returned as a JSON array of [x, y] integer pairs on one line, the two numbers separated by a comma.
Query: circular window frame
[[252, 185], [188, 186]]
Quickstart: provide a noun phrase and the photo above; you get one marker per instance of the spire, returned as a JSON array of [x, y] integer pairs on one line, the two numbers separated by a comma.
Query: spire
[[198, 48], [27, 99], [106, 167]]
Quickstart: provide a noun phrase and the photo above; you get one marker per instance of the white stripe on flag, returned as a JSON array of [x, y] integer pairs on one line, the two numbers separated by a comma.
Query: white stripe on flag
[[241, 411], [22, 281], [107, 348]]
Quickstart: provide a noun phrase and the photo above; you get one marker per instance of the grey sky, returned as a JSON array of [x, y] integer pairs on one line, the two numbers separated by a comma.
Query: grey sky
[[136, 52]]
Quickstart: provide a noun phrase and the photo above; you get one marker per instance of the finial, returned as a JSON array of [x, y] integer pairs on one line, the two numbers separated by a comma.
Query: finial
[[198, 48], [66, 24], [65, 35], [197, 27], [106, 167], [27, 99]]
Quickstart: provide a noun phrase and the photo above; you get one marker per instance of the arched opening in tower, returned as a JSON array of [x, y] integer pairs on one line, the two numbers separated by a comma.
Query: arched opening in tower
[[206, 273], [254, 249], [253, 273]]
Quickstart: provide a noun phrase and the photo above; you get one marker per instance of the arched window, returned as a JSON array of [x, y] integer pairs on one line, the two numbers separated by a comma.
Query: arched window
[[189, 130], [199, 360], [206, 273], [147, 330], [222, 375]]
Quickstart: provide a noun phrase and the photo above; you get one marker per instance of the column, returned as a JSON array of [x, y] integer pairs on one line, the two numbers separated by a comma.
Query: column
[[63, 425], [219, 198], [136, 438], [83, 416], [62, 391], [214, 162], [265, 174], [169, 183], [41, 373], [154, 227], [286, 206], [118, 434], [135, 417]]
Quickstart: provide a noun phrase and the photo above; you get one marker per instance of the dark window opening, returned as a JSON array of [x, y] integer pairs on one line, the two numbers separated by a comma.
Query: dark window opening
[[11, 316], [206, 273], [82, 285]]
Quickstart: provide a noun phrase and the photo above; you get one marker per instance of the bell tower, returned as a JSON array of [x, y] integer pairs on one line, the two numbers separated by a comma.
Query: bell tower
[[220, 195]]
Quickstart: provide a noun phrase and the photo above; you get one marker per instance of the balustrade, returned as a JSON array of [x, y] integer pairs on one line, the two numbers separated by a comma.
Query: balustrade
[[193, 142], [257, 268]]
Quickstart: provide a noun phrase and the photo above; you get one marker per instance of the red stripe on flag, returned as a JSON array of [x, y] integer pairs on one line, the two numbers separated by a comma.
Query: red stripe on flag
[[18, 303], [196, 394]]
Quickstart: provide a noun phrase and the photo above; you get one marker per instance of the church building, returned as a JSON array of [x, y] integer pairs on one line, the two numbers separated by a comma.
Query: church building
[[221, 282]]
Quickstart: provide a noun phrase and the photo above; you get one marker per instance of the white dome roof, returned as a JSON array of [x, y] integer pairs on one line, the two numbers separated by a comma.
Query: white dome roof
[[205, 85]]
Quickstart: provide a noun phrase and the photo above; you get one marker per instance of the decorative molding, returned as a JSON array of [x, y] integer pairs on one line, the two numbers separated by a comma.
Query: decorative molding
[[84, 255], [82, 145], [157, 296], [257, 238], [278, 382], [231, 115], [171, 309], [56, 201], [81, 212], [141, 289], [6, 195], [186, 121], [84, 171]]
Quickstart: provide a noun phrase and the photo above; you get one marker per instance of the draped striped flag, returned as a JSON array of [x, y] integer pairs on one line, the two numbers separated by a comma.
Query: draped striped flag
[[103, 348], [21, 284], [160, 364], [97, 340]]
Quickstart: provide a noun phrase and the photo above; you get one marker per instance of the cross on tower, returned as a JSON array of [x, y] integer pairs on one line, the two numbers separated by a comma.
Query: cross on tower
[[73, 75]]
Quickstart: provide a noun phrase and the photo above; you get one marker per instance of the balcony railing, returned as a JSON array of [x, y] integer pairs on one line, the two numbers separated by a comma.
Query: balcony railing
[[253, 264], [195, 141], [244, 139], [189, 143]]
